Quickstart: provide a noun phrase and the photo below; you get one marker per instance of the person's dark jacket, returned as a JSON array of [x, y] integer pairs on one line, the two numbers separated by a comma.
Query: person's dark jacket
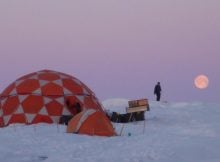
[[157, 89]]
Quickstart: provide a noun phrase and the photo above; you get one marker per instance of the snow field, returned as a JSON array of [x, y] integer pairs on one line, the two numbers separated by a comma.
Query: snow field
[[173, 132]]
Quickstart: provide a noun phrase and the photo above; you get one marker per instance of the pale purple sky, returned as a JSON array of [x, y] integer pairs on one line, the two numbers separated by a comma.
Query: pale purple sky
[[119, 48]]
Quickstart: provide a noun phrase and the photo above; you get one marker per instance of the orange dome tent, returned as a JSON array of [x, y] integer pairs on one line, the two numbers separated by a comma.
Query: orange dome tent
[[91, 122], [41, 96]]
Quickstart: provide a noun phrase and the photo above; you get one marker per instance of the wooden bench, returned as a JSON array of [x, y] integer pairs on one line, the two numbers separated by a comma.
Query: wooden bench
[[138, 105], [136, 110]]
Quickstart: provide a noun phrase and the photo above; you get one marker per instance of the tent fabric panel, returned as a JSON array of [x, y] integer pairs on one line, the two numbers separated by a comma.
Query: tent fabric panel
[[28, 86], [32, 104], [48, 76], [72, 124], [42, 119], [29, 118], [19, 110], [58, 82], [10, 105], [91, 122], [89, 102], [104, 126], [55, 119], [43, 111], [97, 124], [83, 118], [72, 100], [1, 111], [51, 89], [43, 82], [72, 86], [22, 98], [60, 100], [17, 118], [88, 90], [6, 119], [54, 108], [1, 122]]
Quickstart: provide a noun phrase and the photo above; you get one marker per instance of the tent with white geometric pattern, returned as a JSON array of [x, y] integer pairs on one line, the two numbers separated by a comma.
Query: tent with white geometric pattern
[[41, 97]]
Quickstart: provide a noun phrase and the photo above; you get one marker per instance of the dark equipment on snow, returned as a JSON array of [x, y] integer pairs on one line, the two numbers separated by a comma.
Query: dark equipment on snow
[[135, 112], [64, 119]]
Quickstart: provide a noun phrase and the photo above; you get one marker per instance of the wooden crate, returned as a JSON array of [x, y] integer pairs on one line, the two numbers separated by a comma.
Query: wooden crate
[[136, 109], [137, 103]]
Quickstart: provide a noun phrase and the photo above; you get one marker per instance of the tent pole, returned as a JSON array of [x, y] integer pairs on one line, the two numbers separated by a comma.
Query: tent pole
[[35, 128], [124, 124], [144, 126], [122, 129], [58, 128], [14, 127]]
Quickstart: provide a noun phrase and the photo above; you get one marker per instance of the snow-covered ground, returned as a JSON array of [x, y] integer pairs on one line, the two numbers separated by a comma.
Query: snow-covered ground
[[174, 132]]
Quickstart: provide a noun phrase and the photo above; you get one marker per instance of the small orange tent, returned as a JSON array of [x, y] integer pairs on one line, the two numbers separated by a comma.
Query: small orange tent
[[91, 122]]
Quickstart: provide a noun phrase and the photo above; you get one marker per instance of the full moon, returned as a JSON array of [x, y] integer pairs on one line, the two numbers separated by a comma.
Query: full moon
[[201, 81]]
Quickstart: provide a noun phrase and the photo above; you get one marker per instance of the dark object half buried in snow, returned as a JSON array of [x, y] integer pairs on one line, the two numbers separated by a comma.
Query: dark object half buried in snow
[[125, 118]]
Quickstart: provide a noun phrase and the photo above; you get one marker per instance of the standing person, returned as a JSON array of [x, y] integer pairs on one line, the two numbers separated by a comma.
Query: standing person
[[157, 91]]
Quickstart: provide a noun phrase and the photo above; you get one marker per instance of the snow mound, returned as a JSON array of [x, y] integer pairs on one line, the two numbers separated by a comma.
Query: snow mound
[[115, 104]]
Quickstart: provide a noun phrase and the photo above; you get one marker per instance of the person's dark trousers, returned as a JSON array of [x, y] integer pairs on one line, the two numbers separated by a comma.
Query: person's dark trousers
[[158, 97]]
